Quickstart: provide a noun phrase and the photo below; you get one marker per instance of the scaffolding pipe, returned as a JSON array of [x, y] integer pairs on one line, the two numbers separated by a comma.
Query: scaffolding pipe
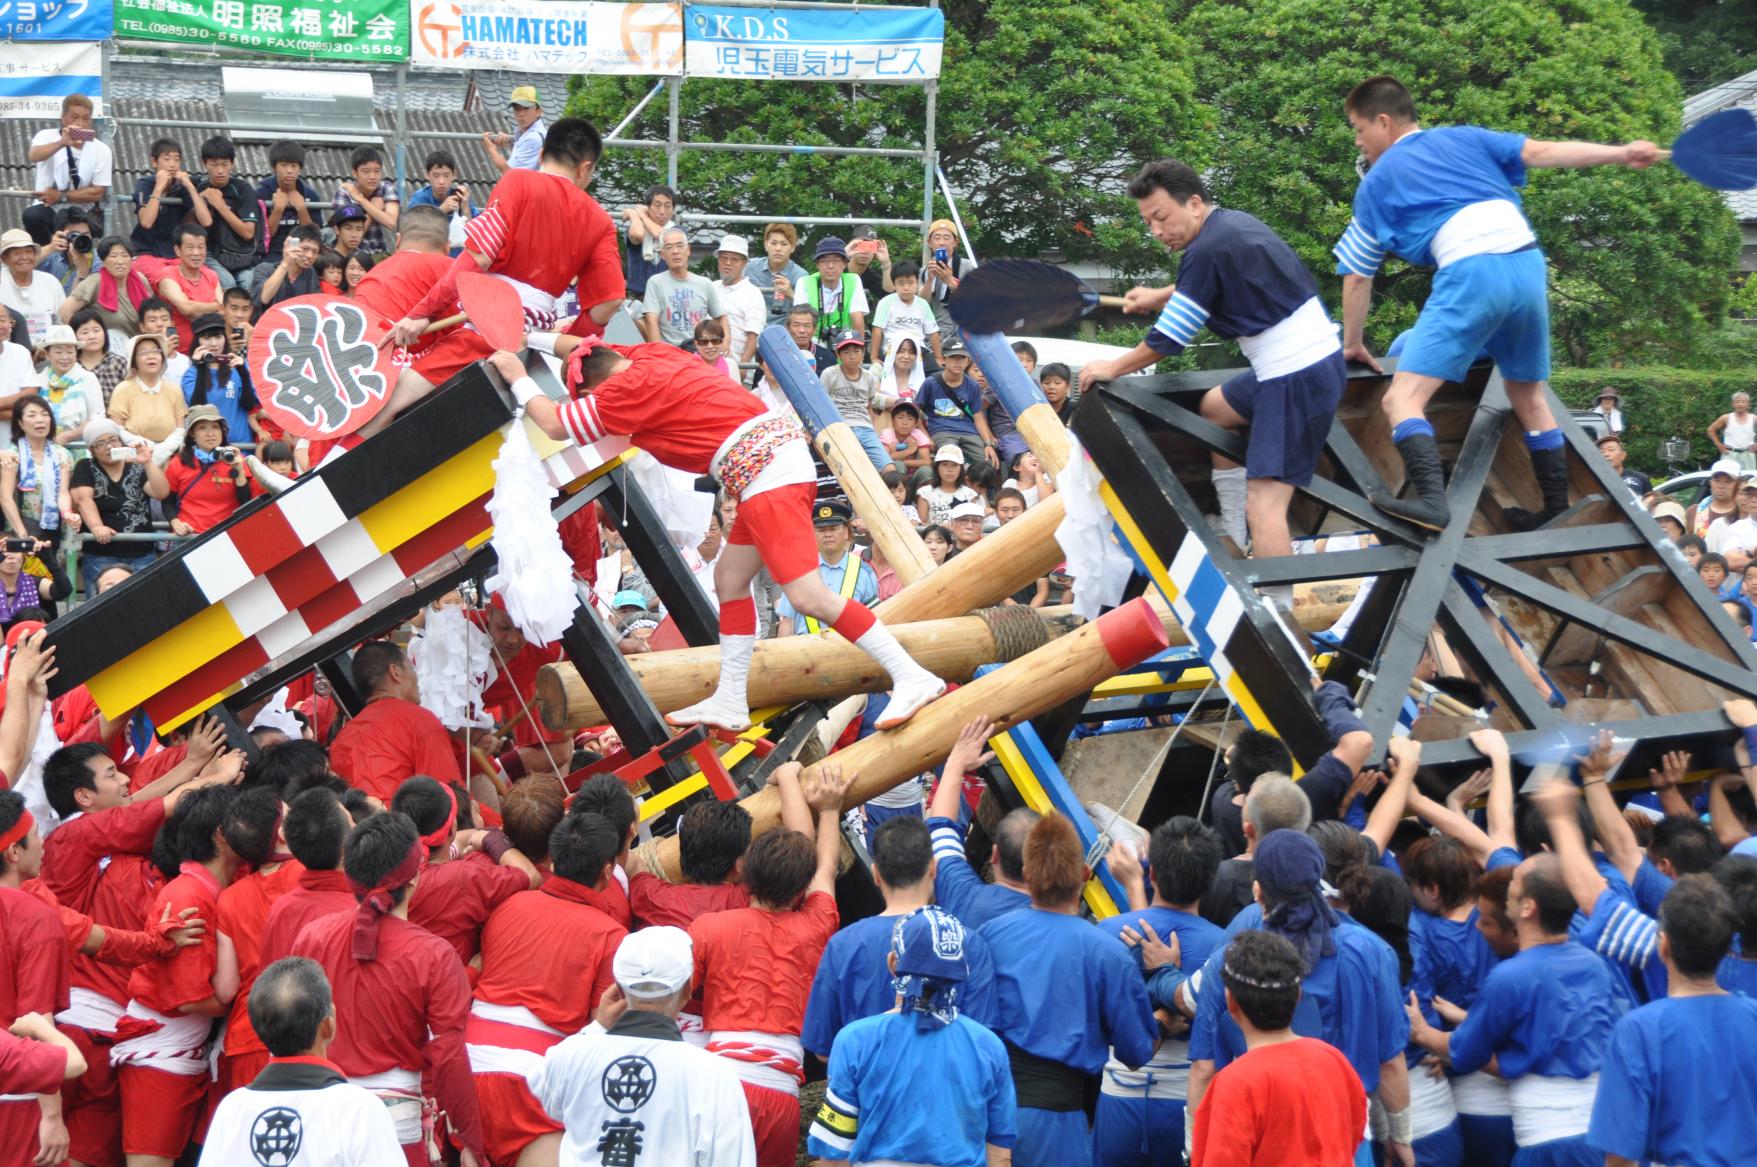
[[610, 138]]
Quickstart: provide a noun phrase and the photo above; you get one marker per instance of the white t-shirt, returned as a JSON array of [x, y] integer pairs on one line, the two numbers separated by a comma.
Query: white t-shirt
[[17, 370], [940, 504], [340, 1125], [1741, 535], [36, 303], [94, 160], [746, 312], [914, 320]]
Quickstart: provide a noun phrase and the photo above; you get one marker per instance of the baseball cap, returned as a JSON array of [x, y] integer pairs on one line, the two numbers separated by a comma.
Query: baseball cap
[[1750, 483], [629, 598], [735, 244], [1669, 510], [846, 337], [1609, 438], [828, 514], [59, 334], [654, 962], [950, 452], [524, 95], [954, 348], [830, 245], [863, 233], [968, 510], [207, 322], [15, 238], [1727, 467], [345, 214]]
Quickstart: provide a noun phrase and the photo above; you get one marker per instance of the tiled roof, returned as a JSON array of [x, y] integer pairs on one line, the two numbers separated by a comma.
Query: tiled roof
[[1739, 92]]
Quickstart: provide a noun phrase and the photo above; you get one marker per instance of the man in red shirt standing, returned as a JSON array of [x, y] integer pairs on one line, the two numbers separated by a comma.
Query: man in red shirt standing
[[393, 737], [190, 288], [96, 863], [754, 966], [689, 416], [712, 838], [161, 1046], [468, 874], [33, 979], [316, 826], [540, 232], [401, 997], [514, 694], [253, 830], [546, 961], [1289, 1099]]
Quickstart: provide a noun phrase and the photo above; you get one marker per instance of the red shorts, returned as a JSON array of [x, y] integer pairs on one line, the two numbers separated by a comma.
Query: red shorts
[[778, 524], [451, 355], [774, 1114], [91, 1105], [18, 1132], [512, 1118], [160, 1112]]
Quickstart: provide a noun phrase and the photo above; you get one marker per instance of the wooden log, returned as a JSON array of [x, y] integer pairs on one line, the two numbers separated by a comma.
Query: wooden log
[[1061, 669], [999, 565], [791, 669], [842, 452]]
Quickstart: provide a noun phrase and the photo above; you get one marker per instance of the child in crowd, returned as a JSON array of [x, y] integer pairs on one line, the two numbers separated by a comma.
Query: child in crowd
[[354, 271], [1057, 382], [1026, 475], [904, 373], [899, 488], [950, 486], [232, 239], [332, 273], [444, 191], [157, 216], [156, 320], [904, 316], [1711, 567], [854, 391], [235, 307], [1289, 1098], [710, 346], [277, 455], [375, 197], [349, 224], [285, 196], [1027, 354], [905, 441]]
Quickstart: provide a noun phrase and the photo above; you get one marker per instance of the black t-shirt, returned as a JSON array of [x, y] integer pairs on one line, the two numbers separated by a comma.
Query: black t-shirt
[[122, 504], [304, 284], [1230, 893], [1228, 820], [223, 244], [1639, 484]]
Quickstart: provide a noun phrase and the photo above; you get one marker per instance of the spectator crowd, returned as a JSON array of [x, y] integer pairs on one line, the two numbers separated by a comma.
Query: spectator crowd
[[361, 937]]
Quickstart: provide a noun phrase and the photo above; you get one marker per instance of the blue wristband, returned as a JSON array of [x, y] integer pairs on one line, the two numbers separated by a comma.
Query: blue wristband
[[1751, 742]]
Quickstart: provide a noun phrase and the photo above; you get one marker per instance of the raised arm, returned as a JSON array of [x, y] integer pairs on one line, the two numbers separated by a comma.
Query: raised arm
[[1451, 823], [1500, 803], [796, 814], [1382, 822], [1559, 802], [1614, 835], [828, 786], [966, 754]]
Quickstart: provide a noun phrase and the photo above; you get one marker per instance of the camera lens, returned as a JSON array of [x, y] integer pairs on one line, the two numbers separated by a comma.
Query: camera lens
[[80, 242]]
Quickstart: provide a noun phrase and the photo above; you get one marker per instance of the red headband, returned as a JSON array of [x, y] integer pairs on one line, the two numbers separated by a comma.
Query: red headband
[[437, 836], [584, 349], [375, 902], [19, 831]]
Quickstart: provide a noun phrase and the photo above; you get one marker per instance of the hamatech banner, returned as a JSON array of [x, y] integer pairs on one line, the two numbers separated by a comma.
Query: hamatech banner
[[548, 36], [333, 30]]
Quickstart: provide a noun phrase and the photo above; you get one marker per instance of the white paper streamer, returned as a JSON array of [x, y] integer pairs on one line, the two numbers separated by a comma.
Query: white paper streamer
[[276, 715], [1100, 568], [454, 662], [535, 576]]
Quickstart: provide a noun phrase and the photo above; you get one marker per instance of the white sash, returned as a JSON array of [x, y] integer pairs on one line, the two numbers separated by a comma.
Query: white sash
[[1492, 227], [772, 1060], [178, 1046], [1481, 1093], [1306, 336], [1166, 1077], [1546, 1109], [91, 1011], [1431, 1106]]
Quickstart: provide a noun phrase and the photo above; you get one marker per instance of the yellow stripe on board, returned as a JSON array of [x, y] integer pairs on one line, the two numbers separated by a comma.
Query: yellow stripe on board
[[1025, 782], [154, 667], [672, 795], [469, 474]]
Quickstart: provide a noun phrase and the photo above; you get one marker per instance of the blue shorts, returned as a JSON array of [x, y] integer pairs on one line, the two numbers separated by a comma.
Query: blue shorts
[[1569, 1152], [1052, 1138], [1137, 1132], [1443, 1148], [1290, 418], [1488, 1139], [1498, 304]]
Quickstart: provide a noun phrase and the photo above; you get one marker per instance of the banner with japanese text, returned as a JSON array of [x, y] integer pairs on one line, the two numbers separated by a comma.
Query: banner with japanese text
[[35, 77], [334, 30], [813, 44], [548, 36], [55, 20]]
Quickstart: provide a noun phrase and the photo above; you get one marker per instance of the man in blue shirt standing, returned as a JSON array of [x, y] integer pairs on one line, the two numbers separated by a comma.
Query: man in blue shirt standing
[[836, 560], [1445, 198], [527, 144]]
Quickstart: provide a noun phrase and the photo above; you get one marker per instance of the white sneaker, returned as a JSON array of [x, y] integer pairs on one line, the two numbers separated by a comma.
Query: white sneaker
[[907, 699], [167, 449], [272, 481], [727, 715]]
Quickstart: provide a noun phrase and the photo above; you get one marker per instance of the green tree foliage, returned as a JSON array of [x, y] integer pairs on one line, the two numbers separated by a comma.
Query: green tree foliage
[[1705, 42], [1639, 260], [1659, 403], [1044, 108]]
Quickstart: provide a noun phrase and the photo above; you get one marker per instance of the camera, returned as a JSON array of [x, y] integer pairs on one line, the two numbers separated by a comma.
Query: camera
[[210, 358], [941, 254], [121, 454], [226, 454], [80, 242], [23, 545]]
